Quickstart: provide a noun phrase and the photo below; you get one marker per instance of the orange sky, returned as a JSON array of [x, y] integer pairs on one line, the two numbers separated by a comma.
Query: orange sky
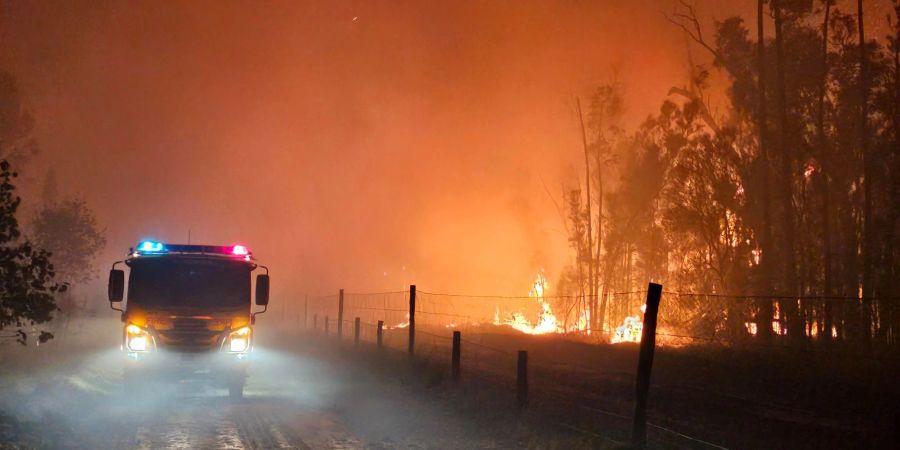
[[405, 146]]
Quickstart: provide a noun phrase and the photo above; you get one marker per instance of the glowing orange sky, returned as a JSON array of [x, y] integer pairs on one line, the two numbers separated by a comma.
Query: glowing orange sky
[[409, 142]]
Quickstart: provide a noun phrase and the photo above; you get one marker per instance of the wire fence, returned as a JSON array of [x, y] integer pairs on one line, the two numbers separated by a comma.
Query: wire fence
[[493, 328], [686, 318]]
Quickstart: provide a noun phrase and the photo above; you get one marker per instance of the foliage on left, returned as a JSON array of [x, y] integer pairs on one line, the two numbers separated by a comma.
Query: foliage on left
[[28, 282]]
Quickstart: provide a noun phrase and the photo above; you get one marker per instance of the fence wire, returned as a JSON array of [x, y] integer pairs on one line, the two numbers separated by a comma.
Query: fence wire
[[487, 321]]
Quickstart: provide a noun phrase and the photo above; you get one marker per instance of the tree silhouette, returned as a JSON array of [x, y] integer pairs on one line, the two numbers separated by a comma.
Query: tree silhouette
[[70, 231], [790, 198], [27, 277]]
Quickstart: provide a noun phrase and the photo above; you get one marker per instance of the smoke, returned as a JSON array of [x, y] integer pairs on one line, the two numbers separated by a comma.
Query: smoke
[[70, 393], [358, 145]]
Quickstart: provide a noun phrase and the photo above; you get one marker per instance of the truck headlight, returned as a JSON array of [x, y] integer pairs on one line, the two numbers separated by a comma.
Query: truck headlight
[[239, 340], [137, 339]]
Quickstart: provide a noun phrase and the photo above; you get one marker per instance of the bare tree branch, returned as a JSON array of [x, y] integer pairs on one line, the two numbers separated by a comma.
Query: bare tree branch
[[686, 19]]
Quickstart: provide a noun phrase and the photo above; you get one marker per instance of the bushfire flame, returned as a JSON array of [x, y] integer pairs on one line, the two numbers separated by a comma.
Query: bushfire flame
[[546, 322], [402, 324], [630, 330]]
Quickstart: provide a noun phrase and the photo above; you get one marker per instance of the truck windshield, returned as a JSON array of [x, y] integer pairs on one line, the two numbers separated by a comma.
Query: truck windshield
[[177, 282]]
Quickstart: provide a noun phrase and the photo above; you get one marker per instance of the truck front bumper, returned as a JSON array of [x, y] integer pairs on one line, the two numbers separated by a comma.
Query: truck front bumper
[[168, 365]]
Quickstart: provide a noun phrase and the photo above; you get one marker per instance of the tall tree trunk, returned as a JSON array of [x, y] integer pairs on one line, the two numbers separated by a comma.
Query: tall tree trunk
[[604, 301], [828, 306], [766, 310], [590, 247], [788, 306], [598, 311], [868, 225], [890, 313], [895, 305]]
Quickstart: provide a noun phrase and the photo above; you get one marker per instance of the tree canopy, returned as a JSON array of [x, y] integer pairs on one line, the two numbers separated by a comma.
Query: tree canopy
[[27, 277]]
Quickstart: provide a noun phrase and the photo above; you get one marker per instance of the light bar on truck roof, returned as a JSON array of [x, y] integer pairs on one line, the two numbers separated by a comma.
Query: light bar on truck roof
[[159, 248], [151, 247]]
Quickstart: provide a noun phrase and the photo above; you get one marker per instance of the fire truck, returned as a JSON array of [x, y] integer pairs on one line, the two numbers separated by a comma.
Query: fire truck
[[188, 312]]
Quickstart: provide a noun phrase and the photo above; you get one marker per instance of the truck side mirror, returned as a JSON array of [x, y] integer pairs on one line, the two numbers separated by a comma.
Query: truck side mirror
[[262, 290], [116, 285]]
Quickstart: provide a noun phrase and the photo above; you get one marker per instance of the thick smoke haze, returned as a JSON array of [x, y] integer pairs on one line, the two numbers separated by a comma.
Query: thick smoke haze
[[365, 145]]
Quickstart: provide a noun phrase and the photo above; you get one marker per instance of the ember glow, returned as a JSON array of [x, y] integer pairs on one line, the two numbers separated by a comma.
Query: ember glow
[[630, 330], [403, 324], [546, 322]]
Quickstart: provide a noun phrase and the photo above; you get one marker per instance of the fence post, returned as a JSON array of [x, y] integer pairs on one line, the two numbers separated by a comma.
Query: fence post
[[522, 380], [645, 364], [326, 325], [412, 321], [306, 311], [356, 331], [380, 333], [315, 321], [340, 320], [454, 358]]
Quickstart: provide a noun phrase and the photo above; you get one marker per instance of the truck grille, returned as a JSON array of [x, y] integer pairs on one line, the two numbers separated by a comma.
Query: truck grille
[[189, 335]]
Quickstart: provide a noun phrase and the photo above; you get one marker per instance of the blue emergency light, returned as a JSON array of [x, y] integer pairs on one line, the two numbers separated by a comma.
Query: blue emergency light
[[151, 247]]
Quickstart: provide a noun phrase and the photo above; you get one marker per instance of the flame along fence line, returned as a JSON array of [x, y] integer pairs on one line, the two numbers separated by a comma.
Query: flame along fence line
[[680, 324], [379, 318], [443, 311]]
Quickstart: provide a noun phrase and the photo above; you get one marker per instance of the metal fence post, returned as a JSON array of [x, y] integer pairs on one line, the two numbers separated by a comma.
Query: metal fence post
[[340, 319], [412, 321], [380, 333], [522, 380], [454, 358], [645, 364]]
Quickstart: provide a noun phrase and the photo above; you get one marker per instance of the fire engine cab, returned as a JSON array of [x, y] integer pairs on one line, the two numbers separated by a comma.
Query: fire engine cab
[[188, 312]]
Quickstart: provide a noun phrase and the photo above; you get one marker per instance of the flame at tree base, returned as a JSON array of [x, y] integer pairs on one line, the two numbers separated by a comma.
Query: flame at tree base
[[630, 330]]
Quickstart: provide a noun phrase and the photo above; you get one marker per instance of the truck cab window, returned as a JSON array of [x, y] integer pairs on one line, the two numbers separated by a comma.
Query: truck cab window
[[189, 283]]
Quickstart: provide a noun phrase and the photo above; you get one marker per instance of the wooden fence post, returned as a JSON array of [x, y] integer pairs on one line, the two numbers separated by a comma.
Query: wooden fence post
[[315, 321], [380, 333], [340, 320], [454, 358], [326, 325], [356, 331], [522, 380], [645, 364], [411, 350]]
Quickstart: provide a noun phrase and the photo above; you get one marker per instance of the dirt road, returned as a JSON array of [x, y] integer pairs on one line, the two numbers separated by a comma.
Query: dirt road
[[258, 423], [80, 402], [70, 394]]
